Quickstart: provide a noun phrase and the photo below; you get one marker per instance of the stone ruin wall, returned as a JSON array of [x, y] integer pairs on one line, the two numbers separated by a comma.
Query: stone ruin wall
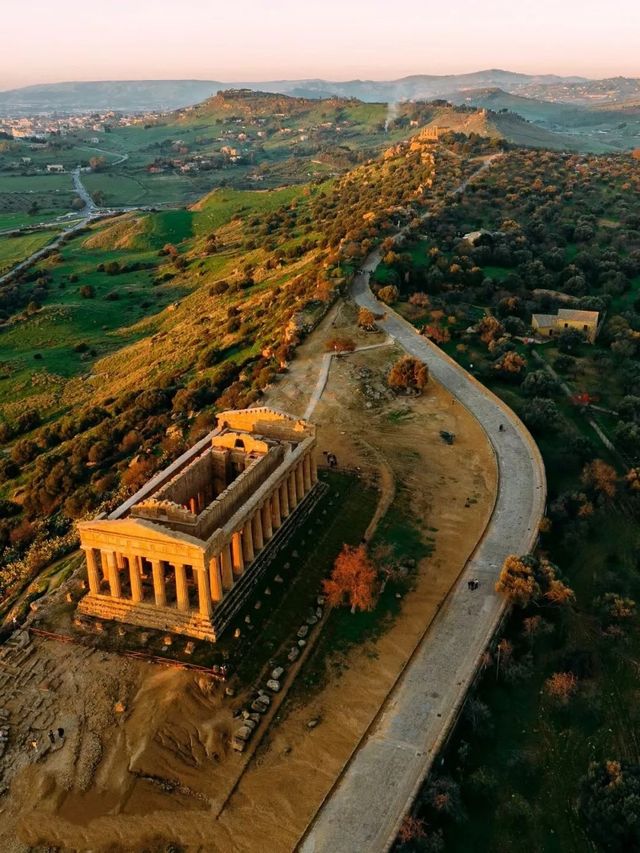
[[238, 492], [267, 422], [196, 477], [154, 510]]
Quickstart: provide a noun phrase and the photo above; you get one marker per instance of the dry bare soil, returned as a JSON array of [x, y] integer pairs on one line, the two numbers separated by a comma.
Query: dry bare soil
[[146, 750]]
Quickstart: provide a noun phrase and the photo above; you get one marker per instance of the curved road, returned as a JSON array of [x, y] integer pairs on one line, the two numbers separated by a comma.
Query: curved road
[[365, 807]]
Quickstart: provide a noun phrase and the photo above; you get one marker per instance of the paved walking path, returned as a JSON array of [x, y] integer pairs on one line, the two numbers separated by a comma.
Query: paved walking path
[[364, 809], [321, 384]]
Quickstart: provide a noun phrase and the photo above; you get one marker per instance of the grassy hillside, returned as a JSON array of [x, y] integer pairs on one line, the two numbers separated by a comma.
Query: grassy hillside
[[117, 349]]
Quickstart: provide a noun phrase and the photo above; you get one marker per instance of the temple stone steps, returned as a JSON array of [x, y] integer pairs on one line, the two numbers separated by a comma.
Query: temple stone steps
[[148, 616]]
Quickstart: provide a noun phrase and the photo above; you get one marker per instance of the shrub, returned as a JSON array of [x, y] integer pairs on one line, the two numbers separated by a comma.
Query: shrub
[[388, 294], [366, 320], [408, 373], [340, 344], [560, 687], [608, 803]]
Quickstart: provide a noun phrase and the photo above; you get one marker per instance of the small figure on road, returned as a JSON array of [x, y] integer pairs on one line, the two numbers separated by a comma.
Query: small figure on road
[[52, 737]]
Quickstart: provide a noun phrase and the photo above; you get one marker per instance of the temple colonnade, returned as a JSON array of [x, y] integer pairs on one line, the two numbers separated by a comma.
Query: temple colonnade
[[126, 574]]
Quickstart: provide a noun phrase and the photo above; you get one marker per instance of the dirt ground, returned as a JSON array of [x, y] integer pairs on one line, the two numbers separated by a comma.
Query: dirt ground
[[130, 727]]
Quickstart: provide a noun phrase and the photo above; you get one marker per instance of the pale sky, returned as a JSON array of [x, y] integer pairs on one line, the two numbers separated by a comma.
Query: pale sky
[[251, 40]]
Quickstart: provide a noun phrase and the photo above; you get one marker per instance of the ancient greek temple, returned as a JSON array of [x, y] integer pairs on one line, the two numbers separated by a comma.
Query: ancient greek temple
[[180, 554]]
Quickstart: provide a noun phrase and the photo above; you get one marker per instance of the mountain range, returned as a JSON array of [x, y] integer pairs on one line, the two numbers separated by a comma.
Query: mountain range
[[154, 95]]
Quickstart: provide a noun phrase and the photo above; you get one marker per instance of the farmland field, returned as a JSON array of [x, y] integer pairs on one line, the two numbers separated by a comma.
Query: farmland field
[[16, 249]]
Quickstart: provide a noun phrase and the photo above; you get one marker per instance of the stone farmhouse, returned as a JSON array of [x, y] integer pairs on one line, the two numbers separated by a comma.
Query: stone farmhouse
[[548, 325], [183, 553]]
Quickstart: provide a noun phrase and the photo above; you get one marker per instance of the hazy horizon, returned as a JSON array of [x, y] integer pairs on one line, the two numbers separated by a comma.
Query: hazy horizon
[[335, 41]]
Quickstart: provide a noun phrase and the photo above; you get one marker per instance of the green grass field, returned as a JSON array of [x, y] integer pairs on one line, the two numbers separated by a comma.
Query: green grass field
[[20, 218], [16, 249], [223, 205], [122, 189]]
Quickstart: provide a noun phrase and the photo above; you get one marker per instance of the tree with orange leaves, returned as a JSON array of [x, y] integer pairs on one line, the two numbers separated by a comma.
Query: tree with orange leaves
[[408, 374], [490, 329], [561, 686], [601, 478], [366, 320], [353, 580], [517, 581], [438, 334], [510, 364], [526, 580], [411, 829], [559, 593]]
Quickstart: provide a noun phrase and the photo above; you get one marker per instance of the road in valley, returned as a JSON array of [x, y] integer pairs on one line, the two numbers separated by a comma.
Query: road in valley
[[81, 218], [363, 810]]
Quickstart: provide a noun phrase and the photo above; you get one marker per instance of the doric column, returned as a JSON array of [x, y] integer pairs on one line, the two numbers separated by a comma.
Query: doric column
[[182, 591], [306, 473], [93, 571], [267, 522], [247, 542], [300, 489], [114, 577], [293, 495], [284, 499], [134, 576], [159, 589], [105, 567], [314, 468], [215, 579], [237, 557], [193, 505], [204, 593], [258, 538], [276, 509], [226, 566]]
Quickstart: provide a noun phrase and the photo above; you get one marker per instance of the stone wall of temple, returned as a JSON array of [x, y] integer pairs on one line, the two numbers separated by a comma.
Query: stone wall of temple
[[238, 492], [196, 478], [264, 421]]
